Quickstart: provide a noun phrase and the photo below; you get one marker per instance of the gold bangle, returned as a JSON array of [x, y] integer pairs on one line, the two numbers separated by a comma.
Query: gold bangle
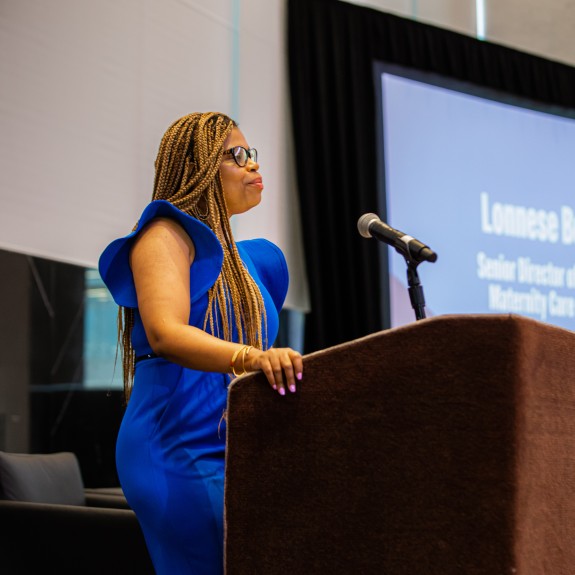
[[235, 357], [246, 352]]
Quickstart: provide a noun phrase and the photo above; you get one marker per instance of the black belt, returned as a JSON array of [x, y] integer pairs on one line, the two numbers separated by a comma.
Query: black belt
[[146, 356]]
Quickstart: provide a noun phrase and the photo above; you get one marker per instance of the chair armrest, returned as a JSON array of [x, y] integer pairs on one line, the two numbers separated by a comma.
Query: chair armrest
[[42, 537], [117, 491], [105, 500]]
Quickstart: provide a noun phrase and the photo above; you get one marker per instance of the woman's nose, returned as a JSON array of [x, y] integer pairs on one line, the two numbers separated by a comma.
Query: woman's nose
[[252, 166]]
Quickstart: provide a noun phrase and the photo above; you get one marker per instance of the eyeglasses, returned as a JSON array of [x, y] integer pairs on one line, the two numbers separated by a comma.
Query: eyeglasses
[[241, 155]]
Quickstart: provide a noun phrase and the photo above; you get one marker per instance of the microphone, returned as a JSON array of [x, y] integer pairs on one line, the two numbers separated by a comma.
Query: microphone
[[369, 225]]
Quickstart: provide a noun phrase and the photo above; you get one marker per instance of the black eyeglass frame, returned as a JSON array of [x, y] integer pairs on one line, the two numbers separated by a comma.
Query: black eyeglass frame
[[251, 154]]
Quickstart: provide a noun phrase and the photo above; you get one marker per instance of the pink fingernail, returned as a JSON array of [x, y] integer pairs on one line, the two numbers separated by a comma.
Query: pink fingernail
[[282, 391], [292, 388], [299, 376], [275, 387]]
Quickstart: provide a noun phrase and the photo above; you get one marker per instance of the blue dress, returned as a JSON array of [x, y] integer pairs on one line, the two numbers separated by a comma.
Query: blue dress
[[171, 445]]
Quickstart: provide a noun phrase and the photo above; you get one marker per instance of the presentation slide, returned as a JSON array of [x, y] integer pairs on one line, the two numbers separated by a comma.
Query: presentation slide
[[490, 187]]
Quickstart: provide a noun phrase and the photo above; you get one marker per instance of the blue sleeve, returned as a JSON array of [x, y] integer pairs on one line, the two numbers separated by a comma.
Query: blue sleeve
[[114, 263], [271, 267]]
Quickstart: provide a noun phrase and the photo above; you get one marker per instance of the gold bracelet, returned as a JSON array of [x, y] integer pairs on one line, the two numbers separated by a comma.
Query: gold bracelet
[[235, 357], [246, 352]]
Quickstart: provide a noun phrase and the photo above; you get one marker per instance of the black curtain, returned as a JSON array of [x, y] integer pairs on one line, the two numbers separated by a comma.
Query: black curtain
[[332, 46]]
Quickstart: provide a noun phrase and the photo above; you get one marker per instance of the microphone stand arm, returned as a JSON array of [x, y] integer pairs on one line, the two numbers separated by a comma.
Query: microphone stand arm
[[415, 289]]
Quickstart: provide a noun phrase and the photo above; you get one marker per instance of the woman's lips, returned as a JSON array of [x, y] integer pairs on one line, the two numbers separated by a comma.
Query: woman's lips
[[258, 183]]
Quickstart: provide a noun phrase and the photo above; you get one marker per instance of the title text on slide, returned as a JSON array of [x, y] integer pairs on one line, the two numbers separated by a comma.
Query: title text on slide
[[528, 223]]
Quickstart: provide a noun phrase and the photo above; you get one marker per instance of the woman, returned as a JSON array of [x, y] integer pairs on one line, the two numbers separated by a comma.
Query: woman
[[196, 309]]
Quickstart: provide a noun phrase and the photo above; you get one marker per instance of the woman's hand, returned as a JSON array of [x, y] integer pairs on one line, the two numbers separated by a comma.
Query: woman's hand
[[277, 363]]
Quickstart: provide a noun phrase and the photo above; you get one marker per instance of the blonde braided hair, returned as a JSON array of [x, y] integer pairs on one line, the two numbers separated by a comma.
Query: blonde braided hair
[[188, 176]]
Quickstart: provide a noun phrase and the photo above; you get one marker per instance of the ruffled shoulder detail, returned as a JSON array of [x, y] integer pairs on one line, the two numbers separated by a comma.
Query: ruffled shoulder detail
[[271, 267], [114, 263]]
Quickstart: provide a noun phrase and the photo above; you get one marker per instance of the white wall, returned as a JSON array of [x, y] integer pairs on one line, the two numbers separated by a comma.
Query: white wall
[[543, 28], [88, 88]]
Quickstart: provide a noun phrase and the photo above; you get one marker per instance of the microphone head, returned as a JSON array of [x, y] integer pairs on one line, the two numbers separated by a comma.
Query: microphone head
[[364, 222]]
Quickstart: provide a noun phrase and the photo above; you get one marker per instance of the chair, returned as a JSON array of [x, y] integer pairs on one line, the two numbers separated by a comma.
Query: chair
[[51, 523]]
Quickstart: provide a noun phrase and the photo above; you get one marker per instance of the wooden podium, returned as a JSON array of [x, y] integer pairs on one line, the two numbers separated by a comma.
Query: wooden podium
[[445, 447]]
